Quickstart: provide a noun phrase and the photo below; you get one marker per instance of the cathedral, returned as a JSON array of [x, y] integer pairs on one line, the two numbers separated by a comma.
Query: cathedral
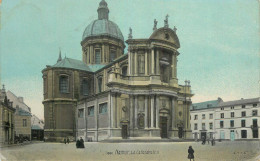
[[115, 95]]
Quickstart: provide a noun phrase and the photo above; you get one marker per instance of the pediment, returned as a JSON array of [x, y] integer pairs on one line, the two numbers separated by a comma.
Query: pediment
[[165, 34]]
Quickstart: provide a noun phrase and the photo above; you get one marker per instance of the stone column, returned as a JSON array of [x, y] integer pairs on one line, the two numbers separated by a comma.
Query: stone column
[[131, 111], [157, 111], [115, 107], [108, 109], [103, 54], [136, 110], [157, 62], [152, 111], [145, 112], [136, 63], [152, 61], [129, 63], [112, 110], [91, 54], [146, 62], [173, 65], [173, 114]]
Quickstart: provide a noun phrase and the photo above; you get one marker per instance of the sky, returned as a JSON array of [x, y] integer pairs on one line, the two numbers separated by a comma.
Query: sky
[[219, 40]]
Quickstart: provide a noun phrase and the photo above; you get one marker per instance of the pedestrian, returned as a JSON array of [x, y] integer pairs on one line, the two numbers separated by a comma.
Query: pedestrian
[[64, 141], [78, 143], [68, 140], [212, 141], [191, 153], [208, 140], [81, 143]]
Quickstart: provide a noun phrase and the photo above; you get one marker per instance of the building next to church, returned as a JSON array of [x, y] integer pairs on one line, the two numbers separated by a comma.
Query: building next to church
[[111, 94], [22, 117], [37, 127], [231, 120], [6, 119]]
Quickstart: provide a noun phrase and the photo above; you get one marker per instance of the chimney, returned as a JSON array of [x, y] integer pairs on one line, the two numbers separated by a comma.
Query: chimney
[[20, 99]]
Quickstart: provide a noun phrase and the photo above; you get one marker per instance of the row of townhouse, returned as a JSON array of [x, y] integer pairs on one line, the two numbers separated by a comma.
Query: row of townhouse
[[232, 120], [16, 120]]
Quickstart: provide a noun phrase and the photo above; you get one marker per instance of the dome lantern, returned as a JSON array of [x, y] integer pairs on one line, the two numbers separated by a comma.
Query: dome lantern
[[103, 10]]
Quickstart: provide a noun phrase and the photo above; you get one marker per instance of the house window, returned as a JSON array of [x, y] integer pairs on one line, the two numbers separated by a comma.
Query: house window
[[232, 114], [255, 128], [97, 56], [243, 123], [203, 116], [64, 84], [255, 123], [91, 111], [24, 122], [254, 113], [222, 108], [84, 87], [203, 126], [80, 113], [141, 63], [231, 123], [112, 55], [243, 113], [243, 106], [222, 115], [99, 85], [195, 126], [103, 108], [195, 117], [124, 71], [232, 107], [243, 133], [211, 116], [254, 105], [211, 125], [221, 124]]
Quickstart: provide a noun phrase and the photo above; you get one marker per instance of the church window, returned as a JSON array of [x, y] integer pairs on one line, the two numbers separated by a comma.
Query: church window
[[81, 113], [91, 111], [124, 71], [64, 84], [141, 63], [84, 87], [112, 55], [99, 85], [24, 122], [97, 56], [103, 108]]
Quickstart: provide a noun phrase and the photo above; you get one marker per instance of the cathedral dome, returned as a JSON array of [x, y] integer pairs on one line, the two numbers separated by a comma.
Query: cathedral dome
[[103, 26]]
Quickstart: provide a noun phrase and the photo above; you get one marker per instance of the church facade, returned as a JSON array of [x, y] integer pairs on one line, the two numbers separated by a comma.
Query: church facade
[[112, 94]]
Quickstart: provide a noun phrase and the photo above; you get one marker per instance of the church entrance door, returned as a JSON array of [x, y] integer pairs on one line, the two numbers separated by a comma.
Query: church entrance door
[[164, 131], [124, 131]]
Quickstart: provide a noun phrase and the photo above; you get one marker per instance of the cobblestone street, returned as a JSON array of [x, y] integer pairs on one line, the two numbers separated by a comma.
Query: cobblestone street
[[177, 151]]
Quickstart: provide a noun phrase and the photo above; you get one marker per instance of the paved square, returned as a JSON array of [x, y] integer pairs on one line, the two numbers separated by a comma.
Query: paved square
[[174, 151]]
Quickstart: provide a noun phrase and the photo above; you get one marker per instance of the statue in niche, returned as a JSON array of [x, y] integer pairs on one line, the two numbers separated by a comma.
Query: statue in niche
[[140, 120]]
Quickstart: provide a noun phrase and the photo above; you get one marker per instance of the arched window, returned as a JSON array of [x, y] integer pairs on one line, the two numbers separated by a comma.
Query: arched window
[[84, 87], [112, 55], [64, 84], [97, 56], [99, 85], [124, 71]]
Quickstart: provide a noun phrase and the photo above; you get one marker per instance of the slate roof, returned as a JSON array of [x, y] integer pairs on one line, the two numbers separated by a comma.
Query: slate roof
[[204, 105], [22, 112], [103, 27], [239, 102], [16, 102], [72, 64], [36, 127]]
